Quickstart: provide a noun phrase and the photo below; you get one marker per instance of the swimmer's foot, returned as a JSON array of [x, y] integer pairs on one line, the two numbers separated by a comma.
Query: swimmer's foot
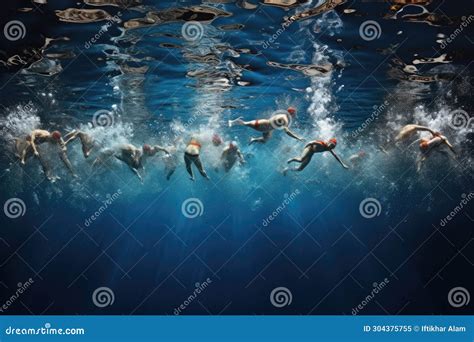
[[191, 178], [237, 121], [285, 171]]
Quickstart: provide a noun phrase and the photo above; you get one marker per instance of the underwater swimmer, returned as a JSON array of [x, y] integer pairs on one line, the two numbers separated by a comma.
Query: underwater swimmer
[[266, 126], [87, 142], [37, 137], [407, 132], [316, 146], [230, 155], [191, 156], [429, 145], [357, 158]]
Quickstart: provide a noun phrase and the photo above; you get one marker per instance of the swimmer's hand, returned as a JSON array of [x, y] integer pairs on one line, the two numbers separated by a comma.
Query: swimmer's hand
[[345, 166], [36, 153]]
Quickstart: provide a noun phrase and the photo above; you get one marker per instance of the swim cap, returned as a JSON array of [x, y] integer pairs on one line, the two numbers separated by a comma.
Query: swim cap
[[333, 141], [216, 139], [424, 144], [232, 144], [56, 135], [146, 148], [291, 111]]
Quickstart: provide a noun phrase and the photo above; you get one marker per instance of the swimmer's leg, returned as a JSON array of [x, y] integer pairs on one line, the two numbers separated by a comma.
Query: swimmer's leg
[[188, 162], [306, 153], [301, 167], [263, 139], [237, 121], [46, 169], [197, 162], [169, 172]]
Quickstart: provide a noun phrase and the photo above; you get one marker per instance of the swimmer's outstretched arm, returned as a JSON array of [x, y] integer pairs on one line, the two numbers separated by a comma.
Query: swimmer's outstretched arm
[[135, 171], [339, 160], [424, 128], [71, 136], [33, 145], [446, 141], [291, 134], [65, 160]]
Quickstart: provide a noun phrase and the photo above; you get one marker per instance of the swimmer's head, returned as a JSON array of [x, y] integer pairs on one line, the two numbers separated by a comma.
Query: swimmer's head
[[232, 145], [28, 137], [146, 148], [291, 111], [424, 144], [56, 135], [216, 139], [332, 143]]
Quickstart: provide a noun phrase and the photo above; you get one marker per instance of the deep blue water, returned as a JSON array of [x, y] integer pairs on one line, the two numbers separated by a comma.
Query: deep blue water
[[161, 88]]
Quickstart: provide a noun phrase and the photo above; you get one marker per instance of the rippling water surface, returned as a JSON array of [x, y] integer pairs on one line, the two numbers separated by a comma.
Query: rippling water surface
[[160, 72]]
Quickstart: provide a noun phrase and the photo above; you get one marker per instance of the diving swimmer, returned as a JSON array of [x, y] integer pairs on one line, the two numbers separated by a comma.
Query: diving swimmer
[[316, 146], [191, 156], [229, 156], [407, 132], [87, 142], [266, 126], [131, 155], [25, 147]]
